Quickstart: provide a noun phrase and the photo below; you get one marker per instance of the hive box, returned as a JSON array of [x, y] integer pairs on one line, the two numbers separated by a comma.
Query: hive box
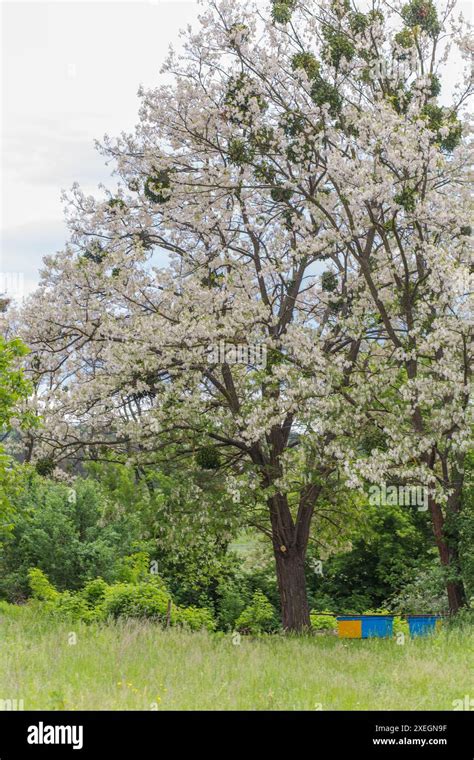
[[423, 625], [364, 626]]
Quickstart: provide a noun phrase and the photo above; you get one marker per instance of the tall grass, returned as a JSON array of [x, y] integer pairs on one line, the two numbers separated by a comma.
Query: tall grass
[[138, 666]]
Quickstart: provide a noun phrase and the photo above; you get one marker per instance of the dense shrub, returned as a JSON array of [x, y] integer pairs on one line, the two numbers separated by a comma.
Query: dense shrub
[[323, 621], [69, 533], [388, 551], [98, 601], [148, 600], [195, 618], [41, 588], [424, 595], [258, 616]]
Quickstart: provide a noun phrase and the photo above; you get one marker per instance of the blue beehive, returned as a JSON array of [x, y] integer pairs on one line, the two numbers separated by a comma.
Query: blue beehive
[[423, 625]]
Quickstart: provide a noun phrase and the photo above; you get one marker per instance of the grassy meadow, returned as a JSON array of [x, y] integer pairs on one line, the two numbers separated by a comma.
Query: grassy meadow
[[135, 665]]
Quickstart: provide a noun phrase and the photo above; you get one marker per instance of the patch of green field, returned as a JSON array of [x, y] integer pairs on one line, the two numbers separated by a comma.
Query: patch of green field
[[138, 666]]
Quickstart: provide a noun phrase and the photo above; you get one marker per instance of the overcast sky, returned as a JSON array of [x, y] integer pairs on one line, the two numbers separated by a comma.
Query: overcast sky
[[70, 74]]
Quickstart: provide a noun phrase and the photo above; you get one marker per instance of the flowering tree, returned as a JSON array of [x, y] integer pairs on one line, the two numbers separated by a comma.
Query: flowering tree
[[308, 191]]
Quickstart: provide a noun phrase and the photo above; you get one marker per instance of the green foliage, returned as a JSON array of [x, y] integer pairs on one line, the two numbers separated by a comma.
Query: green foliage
[[45, 466], [116, 204], [13, 386], [158, 187], [435, 86], [406, 199], [262, 140], [306, 61], [358, 22], [239, 32], [41, 587], [400, 625], [73, 534], [232, 601], [390, 546], [376, 16], [453, 139], [400, 100], [323, 621], [436, 118], [422, 14], [240, 152], [196, 618], [425, 594], [134, 567], [282, 10], [324, 93], [265, 172], [404, 40], [189, 545], [94, 592], [373, 439], [71, 606], [338, 46], [240, 98], [209, 458], [14, 389], [147, 599], [98, 601], [329, 281], [281, 194], [340, 7], [95, 253], [466, 527], [292, 123], [258, 616], [464, 619]]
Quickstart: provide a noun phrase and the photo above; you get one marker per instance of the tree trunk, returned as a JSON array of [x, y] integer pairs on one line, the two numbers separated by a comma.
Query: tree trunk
[[449, 560], [289, 548], [292, 587]]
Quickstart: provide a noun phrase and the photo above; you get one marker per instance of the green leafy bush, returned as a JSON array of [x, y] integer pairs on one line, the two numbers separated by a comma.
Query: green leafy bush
[[258, 616], [195, 618], [98, 601], [72, 534], [148, 600], [400, 625], [425, 594], [406, 199], [323, 621], [94, 592], [41, 587], [73, 606], [208, 457]]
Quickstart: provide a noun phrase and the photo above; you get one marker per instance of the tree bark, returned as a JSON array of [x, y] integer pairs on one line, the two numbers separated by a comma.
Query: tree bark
[[449, 559], [292, 588], [289, 548]]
